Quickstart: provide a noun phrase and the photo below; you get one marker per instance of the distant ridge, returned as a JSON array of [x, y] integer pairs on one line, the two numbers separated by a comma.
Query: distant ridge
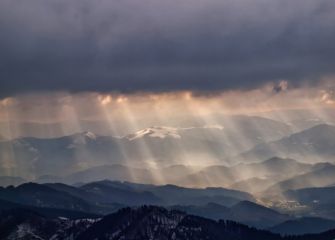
[[316, 144]]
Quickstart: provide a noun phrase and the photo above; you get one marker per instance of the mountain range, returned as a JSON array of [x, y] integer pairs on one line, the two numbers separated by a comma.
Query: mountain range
[[320, 175], [97, 199], [147, 222], [106, 196], [312, 145], [31, 157], [255, 171], [273, 175], [245, 212], [269, 173], [238, 176], [161, 147]]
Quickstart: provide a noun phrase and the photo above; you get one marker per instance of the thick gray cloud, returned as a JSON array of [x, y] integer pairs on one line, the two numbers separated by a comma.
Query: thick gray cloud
[[150, 45]]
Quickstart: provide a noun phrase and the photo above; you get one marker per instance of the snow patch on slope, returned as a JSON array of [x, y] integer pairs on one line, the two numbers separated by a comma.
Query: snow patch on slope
[[166, 132], [156, 132]]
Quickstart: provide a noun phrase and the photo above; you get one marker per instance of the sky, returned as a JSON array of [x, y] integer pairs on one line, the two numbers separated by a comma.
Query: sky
[[64, 60], [157, 46]]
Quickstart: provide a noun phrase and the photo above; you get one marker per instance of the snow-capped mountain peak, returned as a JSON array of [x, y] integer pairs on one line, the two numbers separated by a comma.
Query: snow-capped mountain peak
[[155, 132], [166, 132], [90, 135]]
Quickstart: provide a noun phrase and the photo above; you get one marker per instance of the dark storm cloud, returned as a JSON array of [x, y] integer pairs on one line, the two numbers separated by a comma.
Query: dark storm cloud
[[150, 45]]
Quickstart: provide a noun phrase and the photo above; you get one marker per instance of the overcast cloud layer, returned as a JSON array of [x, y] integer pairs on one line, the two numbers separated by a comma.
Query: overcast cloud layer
[[150, 45]]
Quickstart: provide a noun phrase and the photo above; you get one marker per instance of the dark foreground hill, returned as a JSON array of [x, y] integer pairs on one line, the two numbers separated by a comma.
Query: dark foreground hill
[[244, 212], [146, 222], [304, 225]]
